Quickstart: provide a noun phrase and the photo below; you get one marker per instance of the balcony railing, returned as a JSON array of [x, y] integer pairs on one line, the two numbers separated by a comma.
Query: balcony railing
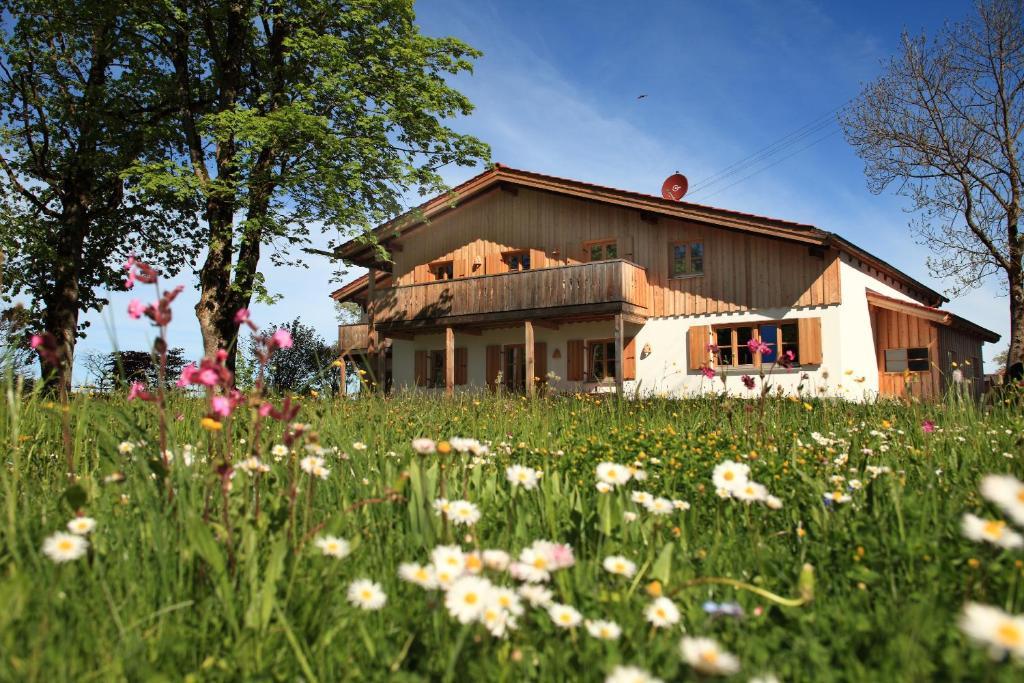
[[615, 286], [353, 337]]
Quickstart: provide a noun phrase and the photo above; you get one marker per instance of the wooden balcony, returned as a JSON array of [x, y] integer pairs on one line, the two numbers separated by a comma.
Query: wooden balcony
[[581, 291], [355, 337]]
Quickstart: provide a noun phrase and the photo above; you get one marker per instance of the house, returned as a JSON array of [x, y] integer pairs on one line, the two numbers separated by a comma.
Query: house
[[517, 279]]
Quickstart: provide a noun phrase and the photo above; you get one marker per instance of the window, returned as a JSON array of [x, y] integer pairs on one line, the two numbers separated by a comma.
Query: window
[[443, 270], [602, 250], [602, 359], [913, 360], [516, 260], [779, 338], [687, 258], [435, 378], [514, 371]]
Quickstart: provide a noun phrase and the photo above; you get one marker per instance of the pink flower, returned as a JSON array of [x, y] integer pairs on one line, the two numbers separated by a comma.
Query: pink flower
[[138, 391], [757, 346], [927, 426], [220, 406], [37, 341], [135, 309], [708, 371], [188, 375], [282, 339], [241, 316], [713, 348], [208, 377], [265, 409], [562, 556], [748, 381]]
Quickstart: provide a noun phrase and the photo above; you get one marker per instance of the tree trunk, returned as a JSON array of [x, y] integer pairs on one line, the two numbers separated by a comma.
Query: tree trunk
[[60, 318], [216, 308], [1016, 351]]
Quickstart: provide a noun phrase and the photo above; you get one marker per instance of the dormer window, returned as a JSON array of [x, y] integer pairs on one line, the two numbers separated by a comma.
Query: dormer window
[[516, 261], [443, 270]]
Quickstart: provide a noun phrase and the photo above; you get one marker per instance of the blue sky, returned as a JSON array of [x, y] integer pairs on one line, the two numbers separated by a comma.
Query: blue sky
[[556, 92]]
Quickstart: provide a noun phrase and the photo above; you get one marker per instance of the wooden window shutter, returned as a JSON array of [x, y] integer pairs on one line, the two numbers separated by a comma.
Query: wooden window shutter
[[540, 361], [697, 346], [421, 273], [629, 359], [493, 365], [574, 360], [421, 370], [809, 331], [538, 259], [460, 268], [493, 264], [461, 363]]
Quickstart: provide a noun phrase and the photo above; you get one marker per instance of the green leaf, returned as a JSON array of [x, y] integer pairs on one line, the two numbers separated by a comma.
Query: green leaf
[[662, 569], [76, 496]]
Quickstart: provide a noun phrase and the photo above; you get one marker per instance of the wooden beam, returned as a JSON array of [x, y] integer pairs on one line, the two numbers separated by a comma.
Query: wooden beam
[[619, 349], [404, 336], [475, 331], [530, 360], [372, 334], [546, 324], [343, 376], [632, 313], [449, 361]]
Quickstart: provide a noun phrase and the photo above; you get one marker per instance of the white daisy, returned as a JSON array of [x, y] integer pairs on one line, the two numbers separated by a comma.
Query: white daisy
[[604, 487], [518, 475], [366, 594], [311, 463], [463, 512], [630, 674], [629, 516], [464, 445], [358, 446], [641, 497], [707, 657], [449, 559], [995, 531], [728, 475], [1006, 492], [836, 497], [253, 465], [750, 492], [497, 621], [442, 506], [662, 613], [681, 505], [332, 546], [564, 616], [660, 506], [536, 595], [424, 446], [1001, 632], [466, 598], [422, 576], [613, 474], [81, 525], [62, 547], [773, 503], [603, 630], [279, 451], [125, 447], [496, 559], [617, 564]]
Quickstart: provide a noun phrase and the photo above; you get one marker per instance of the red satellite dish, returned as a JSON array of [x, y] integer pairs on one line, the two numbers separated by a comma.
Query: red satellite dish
[[674, 187]]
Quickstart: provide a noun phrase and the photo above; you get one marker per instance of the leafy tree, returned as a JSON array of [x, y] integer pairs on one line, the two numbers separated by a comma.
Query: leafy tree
[[79, 105], [16, 357], [298, 115], [125, 367], [306, 365], [943, 124]]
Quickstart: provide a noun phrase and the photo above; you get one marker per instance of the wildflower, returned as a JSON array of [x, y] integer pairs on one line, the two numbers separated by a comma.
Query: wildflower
[[424, 446], [603, 630], [366, 594], [518, 475], [138, 391], [466, 598], [613, 474], [220, 406], [444, 448], [750, 492], [463, 512], [653, 589], [281, 339], [1002, 632], [135, 309], [474, 564], [757, 346], [564, 616], [279, 451], [604, 487], [358, 446], [617, 564], [641, 497], [125, 447], [764, 678], [659, 506], [630, 674], [422, 576], [311, 464], [681, 505], [536, 595], [927, 426], [836, 497], [332, 546], [773, 503], [629, 516], [462, 445], [210, 425], [441, 506], [81, 525], [729, 475], [253, 465], [1007, 493], [662, 613], [995, 531], [62, 547], [496, 559], [707, 657], [748, 381], [448, 558]]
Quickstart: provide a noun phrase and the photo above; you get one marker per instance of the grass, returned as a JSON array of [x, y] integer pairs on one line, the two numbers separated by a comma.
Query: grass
[[199, 587]]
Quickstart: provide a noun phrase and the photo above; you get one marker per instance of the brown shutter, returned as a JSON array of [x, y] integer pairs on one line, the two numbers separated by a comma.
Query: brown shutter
[[421, 273], [420, 368], [461, 362], [493, 365], [538, 259], [540, 361], [809, 331], [629, 359], [574, 360], [460, 267], [697, 346], [493, 263]]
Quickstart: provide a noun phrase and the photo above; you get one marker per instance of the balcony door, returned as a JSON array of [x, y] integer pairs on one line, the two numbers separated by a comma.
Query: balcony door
[[514, 367]]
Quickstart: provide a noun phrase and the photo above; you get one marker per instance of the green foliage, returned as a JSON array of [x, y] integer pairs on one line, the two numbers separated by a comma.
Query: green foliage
[[200, 589]]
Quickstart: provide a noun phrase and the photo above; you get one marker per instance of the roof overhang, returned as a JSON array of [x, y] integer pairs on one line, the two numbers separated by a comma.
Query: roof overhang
[[933, 314]]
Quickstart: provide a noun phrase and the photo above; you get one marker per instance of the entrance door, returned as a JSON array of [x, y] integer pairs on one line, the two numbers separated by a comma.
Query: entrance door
[[514, 367]]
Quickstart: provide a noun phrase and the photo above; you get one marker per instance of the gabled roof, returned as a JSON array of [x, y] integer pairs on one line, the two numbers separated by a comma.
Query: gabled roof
[[931, 313], [362, 252]]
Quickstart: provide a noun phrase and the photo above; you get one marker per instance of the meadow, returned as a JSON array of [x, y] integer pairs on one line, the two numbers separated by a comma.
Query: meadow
[[851, 564]]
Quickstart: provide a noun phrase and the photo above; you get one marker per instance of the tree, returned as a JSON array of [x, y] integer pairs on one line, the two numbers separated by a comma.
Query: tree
[[306, 365], [125, 367], [16, 357], [79, 105], [943, 124], [298, 115]]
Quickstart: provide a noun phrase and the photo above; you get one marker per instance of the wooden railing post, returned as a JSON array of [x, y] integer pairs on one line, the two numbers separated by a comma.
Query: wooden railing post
[[371, 344], [619, 350], [530, 360], [449, 361]]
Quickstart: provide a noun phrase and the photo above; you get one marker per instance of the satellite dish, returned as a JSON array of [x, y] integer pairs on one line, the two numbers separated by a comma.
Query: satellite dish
[[674, 187]]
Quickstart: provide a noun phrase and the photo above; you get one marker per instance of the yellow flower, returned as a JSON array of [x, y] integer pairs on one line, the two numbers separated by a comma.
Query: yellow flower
[[654, 589], [337, 363], [886, 424], [808, 407], [210, 425], [444, 448]]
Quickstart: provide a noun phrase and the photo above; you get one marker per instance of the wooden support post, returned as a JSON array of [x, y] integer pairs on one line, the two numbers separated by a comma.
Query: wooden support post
[[530, 360], [371, 343], [449, 361], [382, 366], [343, 377], [619, 349]]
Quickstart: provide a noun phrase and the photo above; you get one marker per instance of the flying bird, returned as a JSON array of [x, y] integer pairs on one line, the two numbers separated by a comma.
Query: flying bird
[[640, 97]]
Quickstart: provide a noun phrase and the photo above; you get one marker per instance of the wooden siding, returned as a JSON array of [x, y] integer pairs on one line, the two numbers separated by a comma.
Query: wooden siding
[[960, 347], [741, 271], [895, 330], [579, 285], [353, 337]]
